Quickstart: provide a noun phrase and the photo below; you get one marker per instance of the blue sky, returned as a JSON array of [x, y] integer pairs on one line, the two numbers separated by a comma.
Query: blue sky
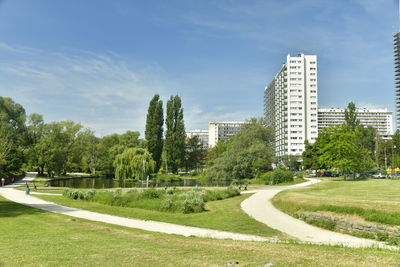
[[99, 62]]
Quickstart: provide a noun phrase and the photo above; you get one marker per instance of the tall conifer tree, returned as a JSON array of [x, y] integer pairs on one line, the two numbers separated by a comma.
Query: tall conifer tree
[[175, 134], [154, 129]]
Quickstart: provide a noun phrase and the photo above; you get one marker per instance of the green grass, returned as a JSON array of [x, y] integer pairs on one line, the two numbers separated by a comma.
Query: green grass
[[373, 200], [223, 215], [30, 237]]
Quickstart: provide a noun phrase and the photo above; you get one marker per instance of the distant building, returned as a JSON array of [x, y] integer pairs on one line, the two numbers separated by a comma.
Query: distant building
[[202, 135], [380, 119], [396, 41], [290, 104], [218, 131]]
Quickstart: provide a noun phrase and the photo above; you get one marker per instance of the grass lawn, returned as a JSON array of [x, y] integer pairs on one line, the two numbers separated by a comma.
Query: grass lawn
[[371, 200], [225, 215], [31, 237]]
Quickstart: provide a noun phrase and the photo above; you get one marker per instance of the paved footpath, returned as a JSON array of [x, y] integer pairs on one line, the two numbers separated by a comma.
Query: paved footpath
[[259, 207], [168, 228]]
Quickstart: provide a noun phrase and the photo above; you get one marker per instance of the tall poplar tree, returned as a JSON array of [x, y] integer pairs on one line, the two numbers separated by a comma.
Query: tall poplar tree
[[175, 135], [154, 129], [350, 116]]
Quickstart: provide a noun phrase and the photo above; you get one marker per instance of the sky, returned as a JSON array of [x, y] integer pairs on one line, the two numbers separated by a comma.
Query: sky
[[99, 62]]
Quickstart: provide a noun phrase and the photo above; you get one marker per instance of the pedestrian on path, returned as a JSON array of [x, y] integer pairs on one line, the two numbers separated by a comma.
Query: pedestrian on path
[[3, 181], [27, 189], [13, 180]]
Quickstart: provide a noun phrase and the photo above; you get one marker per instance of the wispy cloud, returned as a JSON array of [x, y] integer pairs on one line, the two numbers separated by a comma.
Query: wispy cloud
[[99, 90], [102, 91]]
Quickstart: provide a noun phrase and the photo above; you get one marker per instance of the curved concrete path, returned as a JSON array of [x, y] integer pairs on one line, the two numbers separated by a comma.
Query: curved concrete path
[[259, 207], [168, 228]]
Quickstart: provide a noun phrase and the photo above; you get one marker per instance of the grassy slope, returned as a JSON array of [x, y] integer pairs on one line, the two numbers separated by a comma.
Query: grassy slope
[[369, 195], [223, 215], [31, 237]]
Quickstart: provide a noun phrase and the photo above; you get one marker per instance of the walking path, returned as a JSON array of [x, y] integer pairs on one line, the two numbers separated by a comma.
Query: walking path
[[168, 228], [259, 207]]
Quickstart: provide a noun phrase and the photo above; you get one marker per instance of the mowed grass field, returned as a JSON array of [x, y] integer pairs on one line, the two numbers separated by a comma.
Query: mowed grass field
[[372, 200], [31, 237]]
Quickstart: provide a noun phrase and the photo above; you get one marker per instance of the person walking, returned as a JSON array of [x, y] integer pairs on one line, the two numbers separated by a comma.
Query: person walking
[[27, 189], [3, 181]]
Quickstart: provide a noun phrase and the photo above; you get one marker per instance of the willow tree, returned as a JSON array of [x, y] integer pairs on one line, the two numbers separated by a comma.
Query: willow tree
[[134, 163]]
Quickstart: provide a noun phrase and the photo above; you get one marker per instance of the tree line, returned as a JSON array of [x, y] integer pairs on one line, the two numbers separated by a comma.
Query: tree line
[[27, 143], [351, 148]]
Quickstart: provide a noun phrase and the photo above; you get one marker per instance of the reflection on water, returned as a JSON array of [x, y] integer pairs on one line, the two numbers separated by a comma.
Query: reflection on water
[[104, 182]]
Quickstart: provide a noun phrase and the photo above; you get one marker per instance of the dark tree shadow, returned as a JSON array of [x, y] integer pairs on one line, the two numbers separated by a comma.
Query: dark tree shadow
[[12, 209]]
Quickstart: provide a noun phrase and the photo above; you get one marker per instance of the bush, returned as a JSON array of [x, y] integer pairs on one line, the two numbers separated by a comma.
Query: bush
[[88, 195], [151, 193], [276, 176], [193, 202], [73, 194]]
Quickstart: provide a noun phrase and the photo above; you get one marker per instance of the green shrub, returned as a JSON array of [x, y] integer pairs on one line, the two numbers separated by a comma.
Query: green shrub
[[151, 193], [88, 195], [193, 202], [168, 204], [276, 176], [382, 236], [327, 224]]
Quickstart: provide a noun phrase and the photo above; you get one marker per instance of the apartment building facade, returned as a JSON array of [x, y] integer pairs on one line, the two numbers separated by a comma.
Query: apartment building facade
[[291, 103], [218, 131], [380, 119], [396, 45], [202, 135]]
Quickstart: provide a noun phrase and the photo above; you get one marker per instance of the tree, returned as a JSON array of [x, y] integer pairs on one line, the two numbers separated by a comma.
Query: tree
[[35, 131], [134, 163], [249, 152], [154, 129], [114, 144], [55, 149], [12, 121], [350, 116], [5, 146], [217, 151], [310, 156], [342, 149], [194, 153], [175, 135]]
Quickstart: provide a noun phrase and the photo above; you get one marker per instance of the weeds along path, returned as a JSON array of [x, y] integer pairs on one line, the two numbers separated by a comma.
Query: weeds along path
[[154, 226], [259, 207]]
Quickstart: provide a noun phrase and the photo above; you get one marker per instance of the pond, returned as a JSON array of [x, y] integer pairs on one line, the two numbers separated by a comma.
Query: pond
[[105, 182]]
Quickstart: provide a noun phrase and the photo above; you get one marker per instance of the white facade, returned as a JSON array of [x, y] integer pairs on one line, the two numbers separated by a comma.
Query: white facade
[[380, 119], [222, 131], [290, 104], [202, 135]]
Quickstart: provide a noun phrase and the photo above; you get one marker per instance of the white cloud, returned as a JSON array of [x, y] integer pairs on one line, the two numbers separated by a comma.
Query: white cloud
[[103, 91], [99, 90]]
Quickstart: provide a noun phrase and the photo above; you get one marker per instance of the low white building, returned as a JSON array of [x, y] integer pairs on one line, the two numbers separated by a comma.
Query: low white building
[[218, 131], [380, 119], [202, 135]]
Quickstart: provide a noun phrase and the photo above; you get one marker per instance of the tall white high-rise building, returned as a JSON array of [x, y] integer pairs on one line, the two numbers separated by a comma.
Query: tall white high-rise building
[[396, 45], [290, 104]]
